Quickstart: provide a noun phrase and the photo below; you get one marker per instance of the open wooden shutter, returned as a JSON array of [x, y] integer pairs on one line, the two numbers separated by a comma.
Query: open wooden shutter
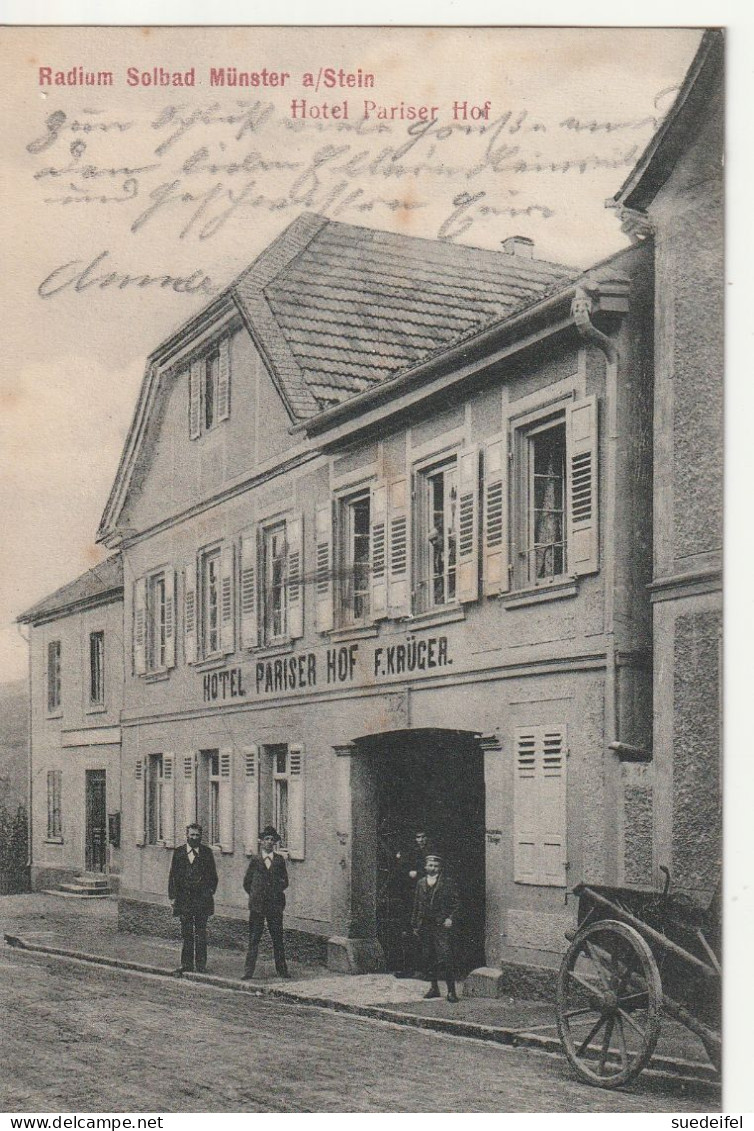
[[189, 613], [525, 855], [296, 803], [540, 806], [294, 533], [189, 788], [324, 585], [140, 626], [468, 525], [496, 572], [581, 480], [378, 514], [251, 799], [140, 801], [553, 807], [227, 600], [195, 398], [249, 629], [223, 381], [226, 799], [170, 625], [168, 800], [399, 558]]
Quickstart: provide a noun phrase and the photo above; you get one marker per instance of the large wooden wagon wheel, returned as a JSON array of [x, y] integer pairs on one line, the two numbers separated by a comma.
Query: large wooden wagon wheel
[[608, 1003]]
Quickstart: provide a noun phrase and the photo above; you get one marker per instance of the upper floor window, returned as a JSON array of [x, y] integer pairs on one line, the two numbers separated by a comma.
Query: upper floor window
[[209, 389], [543, 556], [210, 602], [153, 622], [54, 655], [96, 669], [355, 563], [437, 496], [274, 585]]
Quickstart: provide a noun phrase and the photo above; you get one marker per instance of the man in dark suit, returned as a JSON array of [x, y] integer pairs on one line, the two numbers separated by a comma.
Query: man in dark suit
[[265, 882], [433, 921], [191, 888]]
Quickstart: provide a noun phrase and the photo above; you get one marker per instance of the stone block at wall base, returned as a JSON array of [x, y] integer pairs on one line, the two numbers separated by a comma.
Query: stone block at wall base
[[355, 956], [535, 983], [139, 918]]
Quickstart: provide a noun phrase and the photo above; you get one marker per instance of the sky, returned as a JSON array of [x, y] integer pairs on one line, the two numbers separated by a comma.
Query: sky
[[532, 131]]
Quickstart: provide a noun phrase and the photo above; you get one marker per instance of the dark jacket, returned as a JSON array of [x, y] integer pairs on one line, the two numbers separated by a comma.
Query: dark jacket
[[266, 886], [433, 905], [192, 886]]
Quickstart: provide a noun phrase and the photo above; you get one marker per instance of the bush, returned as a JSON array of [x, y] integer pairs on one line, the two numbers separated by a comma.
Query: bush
[[14, 839]]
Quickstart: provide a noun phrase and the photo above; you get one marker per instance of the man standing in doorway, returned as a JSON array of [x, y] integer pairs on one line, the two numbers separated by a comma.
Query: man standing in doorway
[[191, 888], [433, 921], [265, 882]]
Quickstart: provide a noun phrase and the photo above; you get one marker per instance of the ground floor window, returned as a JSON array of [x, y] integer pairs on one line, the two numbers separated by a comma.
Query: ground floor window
[[54, 799], [155, 800]]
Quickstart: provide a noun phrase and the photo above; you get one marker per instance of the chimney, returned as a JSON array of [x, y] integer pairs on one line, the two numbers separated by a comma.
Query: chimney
[[519, 245]]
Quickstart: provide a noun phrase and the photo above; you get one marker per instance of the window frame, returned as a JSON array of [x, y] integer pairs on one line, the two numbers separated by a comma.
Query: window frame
[[55, 677], [211, 775], [155, 800], [268, 530], [96, 681], [524, 431], [347, 534], [155, 580], [210, 555], [280, 790], [209, 386], [425, 587]]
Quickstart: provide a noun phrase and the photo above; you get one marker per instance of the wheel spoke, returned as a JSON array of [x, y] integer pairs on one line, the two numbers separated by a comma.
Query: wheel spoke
[[591, 1035], [597, 963], [629, 1019], [639, 1000], [588, 1009], [606, 1044], [593, 990], [621, 1040]]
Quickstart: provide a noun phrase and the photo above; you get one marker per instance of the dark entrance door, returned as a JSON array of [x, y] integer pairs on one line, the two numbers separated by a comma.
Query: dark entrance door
[[96, 821], [432, 779]]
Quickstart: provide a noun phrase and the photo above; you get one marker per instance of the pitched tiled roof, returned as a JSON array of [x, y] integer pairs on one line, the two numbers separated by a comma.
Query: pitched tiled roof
[[107, 577], [340, 309]]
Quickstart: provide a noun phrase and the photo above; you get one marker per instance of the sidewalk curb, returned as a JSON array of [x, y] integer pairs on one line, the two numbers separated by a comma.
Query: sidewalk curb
[[664, 1067]]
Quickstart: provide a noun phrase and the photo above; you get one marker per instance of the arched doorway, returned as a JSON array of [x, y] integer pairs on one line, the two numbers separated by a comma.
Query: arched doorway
[[433, 779]]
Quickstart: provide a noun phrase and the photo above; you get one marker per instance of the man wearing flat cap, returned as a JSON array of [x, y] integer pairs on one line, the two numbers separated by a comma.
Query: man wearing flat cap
[[265, 882], [433, 921]]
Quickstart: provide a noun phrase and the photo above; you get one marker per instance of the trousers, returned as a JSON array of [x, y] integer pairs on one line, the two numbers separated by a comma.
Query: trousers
[[256, 930], [194, 935], [437, 946]]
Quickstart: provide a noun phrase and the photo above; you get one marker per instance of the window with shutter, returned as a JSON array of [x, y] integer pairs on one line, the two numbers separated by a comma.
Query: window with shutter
[[140, 821], [155, 799], [399, 557], [296, 800], [379, 550], [437, 524], [495, 568], [354, 555], [54, 674], [54, 805], [209, 389], [540, 806], [140, 626], [168, 800], [189, 613], [324, 568], [583, 544], [468, 525], [189, 789], [227, 600]]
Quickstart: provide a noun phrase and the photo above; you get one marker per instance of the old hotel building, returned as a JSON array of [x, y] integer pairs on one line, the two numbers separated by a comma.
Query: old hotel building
[[385, 515]]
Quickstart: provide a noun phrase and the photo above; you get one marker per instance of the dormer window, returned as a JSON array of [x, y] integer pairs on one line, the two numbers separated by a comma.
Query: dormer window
[[209, 389]]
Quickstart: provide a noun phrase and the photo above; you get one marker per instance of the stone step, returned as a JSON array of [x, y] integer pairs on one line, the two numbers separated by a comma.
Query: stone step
[[85, 889], [78, 893]]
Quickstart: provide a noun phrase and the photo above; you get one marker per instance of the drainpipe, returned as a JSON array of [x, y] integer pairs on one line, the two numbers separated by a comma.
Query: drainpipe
[[27, 641], [581, 308]]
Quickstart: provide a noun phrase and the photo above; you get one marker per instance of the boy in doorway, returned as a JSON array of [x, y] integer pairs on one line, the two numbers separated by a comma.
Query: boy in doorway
[[433, 922]]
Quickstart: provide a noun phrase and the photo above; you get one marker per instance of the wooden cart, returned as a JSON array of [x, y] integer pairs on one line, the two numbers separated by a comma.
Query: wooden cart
[[637, 956]]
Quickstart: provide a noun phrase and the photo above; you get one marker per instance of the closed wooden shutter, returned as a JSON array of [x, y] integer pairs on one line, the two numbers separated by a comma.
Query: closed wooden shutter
[[296, 803], [294, 534], [226, 799], [378, 513], [324, 582], [195, 398], [227, 599], [582, 487], [223, 381], [468, 525], [540, 806], [399, 550], [189, 612], [496, 571], [249, 600], [168, 800], [140, 801], [140, 626], [189, 789], [251, 799], [170, 625]]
